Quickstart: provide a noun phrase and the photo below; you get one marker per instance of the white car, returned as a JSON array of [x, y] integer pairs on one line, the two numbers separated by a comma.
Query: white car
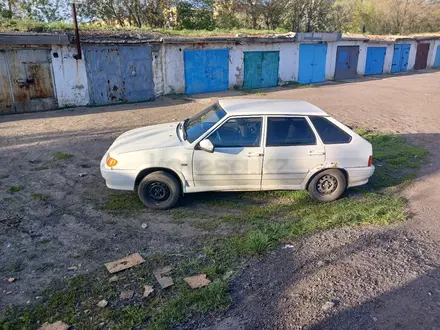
[[240, 145]]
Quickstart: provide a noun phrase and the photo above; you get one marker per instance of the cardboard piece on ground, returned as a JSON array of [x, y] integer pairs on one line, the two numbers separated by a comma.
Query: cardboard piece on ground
[[148, 289], [164, 281], [58, 325], [124, 263], [197, 281]]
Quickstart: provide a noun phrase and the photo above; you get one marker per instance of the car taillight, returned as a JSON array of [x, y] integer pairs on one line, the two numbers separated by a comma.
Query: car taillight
[[370, 161]]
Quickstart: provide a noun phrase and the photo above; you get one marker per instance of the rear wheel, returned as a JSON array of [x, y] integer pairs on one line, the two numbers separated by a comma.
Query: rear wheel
[[159, 190], [328, 185]]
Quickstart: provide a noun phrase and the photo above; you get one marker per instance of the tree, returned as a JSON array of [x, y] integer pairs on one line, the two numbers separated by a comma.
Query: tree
[[195, 15], [252, 9], [45, 10], [272, 11]]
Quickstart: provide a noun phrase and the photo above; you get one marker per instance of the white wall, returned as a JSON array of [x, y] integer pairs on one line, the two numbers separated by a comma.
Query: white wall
[[173, 62], [70, 77], [412, 53], [432, 52]]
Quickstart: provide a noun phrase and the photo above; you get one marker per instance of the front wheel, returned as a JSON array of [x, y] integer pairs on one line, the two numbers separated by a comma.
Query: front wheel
[[159, 190], [328, 185]]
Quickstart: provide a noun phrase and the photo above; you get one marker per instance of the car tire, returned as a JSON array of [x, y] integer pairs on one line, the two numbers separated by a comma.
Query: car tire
[[328, 185], [159, 190]]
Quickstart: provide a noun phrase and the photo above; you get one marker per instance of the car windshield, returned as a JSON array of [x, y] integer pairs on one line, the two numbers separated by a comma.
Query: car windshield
[[202, 122]]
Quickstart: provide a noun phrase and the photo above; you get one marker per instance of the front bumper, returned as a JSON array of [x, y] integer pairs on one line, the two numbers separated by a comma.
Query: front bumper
[[358, 176], [118, 179]]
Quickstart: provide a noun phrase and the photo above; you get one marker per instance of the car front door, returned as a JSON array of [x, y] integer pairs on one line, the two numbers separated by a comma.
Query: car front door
[[237, 160], [292, 150]]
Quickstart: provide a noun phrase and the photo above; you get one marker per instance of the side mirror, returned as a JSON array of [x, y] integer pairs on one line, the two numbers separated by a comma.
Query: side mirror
[[206, 145]]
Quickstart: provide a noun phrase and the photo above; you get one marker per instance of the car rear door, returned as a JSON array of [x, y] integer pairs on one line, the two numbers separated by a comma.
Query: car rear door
[[291, 151]]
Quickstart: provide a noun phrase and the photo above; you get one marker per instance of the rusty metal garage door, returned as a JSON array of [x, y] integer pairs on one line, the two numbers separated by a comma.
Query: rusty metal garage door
[[119, 74], [26, 82]]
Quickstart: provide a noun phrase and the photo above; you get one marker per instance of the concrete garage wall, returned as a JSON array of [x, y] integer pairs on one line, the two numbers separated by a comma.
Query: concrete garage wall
[[173, 66], [432, 52], [70, 77]]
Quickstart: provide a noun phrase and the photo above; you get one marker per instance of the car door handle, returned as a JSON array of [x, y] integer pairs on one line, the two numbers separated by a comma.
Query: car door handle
[[316, 153], [255, 154]]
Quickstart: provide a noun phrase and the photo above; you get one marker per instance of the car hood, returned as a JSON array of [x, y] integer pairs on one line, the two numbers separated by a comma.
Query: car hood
[[145, 138]]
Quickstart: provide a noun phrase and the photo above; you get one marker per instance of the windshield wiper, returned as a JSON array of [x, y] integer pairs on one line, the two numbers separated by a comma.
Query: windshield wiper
[[185, 122]]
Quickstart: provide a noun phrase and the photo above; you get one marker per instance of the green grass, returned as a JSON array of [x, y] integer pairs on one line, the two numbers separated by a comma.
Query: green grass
[[61, 156], [258, 222], [40, 197], [123, 202], [395, 159], [13, 189], [35, 26]]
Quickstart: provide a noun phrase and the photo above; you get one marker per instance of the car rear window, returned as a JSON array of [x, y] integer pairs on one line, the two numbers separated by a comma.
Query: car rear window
[[289, 131], [329, 132]]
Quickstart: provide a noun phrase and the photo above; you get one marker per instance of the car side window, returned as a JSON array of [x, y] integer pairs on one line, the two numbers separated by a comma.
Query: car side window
[[329, 132], [289, 131], [238, 132]]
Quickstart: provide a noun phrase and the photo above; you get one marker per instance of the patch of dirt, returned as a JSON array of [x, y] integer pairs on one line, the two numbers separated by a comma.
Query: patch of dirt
[[372, 277]]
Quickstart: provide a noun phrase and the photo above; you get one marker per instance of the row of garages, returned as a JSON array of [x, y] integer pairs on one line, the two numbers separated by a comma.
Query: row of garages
[[39, 76]]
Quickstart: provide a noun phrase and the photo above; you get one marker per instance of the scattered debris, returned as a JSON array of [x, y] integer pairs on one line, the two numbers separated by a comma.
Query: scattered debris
[[197, 281], [82, 175], [113, 279], [58, 325], [320, 263], [124, 263], [38, 297], [148, 289], [164, 281], [288, 246], [125, 295], [328, 305], [102, 303], [144, 225], [227, 275], [72, 268], [9, 245], [11, 279], [8, 292]]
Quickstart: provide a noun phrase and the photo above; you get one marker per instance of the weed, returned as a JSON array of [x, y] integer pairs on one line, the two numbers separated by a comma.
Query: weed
[[13, 189], [40, 197], [260, 93], [258, 242], [62, 156], [4, 176]]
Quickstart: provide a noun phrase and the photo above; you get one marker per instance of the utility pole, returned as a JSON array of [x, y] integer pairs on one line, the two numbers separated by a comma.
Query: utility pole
[[78, 55]]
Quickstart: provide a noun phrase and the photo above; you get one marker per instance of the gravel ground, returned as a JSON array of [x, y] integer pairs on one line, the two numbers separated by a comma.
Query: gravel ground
[[344, 278]]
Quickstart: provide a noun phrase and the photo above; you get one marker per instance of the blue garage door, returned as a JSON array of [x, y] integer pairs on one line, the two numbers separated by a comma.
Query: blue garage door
[[312, 60], [375, 60], [437, 58], [206, 70], [400, 58], [261, 69], [346, 62], [119, 74]]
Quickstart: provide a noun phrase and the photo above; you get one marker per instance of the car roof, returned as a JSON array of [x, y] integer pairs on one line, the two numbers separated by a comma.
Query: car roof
[[270, 107]]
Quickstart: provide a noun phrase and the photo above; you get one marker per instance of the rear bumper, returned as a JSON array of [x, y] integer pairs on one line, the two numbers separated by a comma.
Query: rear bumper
[[118, 179], [358, 176]]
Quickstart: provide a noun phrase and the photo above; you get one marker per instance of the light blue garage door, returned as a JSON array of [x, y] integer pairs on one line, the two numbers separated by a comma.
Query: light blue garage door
[[206, 70], [312, 60]]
